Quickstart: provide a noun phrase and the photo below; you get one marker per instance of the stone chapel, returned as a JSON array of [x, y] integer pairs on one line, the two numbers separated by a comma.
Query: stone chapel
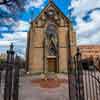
[[51, 42]]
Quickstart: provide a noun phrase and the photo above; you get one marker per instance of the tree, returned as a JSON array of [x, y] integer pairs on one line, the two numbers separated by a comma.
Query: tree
[[2, 61]]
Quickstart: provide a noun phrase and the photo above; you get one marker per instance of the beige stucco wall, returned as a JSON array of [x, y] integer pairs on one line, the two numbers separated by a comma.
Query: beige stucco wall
[[36, 60], [63, 64], [63, 57], [36, 51], [38, 37], [62, 37]]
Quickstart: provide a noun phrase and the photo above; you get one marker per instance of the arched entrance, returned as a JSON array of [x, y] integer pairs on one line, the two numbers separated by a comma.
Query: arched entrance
[[51, 46], [52, 64]]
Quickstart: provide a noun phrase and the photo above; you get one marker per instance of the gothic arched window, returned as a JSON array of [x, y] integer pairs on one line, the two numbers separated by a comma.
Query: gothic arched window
[[52, 39], [52, 50]]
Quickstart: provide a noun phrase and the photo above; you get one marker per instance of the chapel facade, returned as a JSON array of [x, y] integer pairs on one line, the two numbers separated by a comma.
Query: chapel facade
[[51, 43]]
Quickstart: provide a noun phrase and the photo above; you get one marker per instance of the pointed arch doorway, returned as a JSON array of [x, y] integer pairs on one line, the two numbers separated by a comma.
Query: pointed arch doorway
[[52, 64], [51, 42]]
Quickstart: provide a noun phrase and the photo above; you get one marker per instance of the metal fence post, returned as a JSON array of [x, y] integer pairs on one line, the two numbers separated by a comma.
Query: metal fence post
[[8, 83], [79, 77], [16, 84], [0, 75], [9, 74]]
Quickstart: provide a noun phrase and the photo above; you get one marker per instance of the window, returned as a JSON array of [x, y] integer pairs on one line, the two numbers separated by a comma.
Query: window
[[52, 49], [51, 33]]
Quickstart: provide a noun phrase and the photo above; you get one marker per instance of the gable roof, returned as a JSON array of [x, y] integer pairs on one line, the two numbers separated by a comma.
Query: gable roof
[[51, 3]]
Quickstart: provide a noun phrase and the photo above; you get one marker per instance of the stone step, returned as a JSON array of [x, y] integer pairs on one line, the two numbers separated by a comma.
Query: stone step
[[50, 76]]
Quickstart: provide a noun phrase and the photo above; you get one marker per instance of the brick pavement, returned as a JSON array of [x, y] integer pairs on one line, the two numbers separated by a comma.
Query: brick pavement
[[29, 91]]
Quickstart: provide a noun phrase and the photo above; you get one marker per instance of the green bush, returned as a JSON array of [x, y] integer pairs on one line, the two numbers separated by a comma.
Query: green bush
[[1, 61]]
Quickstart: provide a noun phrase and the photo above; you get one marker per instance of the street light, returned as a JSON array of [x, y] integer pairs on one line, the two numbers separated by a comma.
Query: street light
[[10, 54], [4, 1]]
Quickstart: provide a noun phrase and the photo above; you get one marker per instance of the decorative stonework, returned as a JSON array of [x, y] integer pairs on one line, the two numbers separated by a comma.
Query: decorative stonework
[[59, 39]]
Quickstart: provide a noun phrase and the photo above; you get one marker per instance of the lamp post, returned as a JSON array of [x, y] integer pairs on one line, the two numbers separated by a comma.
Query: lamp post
[[8, 89], [10, 54]]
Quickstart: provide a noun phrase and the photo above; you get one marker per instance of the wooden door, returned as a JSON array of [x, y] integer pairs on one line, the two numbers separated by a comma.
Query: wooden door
[[52, 65]]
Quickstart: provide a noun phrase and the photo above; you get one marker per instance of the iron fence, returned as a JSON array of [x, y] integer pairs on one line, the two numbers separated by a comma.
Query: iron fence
[[85, 84], [9, 78], [9, 81]]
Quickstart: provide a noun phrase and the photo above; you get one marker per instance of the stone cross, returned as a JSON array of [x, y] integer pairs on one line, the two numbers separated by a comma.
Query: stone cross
[[50, 1]]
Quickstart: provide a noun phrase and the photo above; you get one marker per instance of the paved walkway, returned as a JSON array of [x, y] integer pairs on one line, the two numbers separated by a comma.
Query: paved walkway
[[30, 91]]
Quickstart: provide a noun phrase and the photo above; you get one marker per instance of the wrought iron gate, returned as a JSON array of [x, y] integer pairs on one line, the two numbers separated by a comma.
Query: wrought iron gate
[[85, 84]]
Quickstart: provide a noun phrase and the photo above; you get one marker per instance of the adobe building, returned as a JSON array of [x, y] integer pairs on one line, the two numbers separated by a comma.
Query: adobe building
[[51, 42], [3, 56], [89, 50]]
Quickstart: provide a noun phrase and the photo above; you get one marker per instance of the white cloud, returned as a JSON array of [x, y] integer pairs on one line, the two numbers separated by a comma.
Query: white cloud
[[4, 8], [34, 3], [3, 28], [4, 43], [18, 38], [14, 36], [93, 39], [42, 7], [38, 3], [87, 32], [21, 26], [1, 0], [86, 28], [7, 21], [15, 26], [81, 7]]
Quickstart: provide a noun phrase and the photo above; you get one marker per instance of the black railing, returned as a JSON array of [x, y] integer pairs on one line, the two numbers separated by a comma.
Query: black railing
[[9, 82], [86, 83], [77, 90], [9, 77], [91, 85]]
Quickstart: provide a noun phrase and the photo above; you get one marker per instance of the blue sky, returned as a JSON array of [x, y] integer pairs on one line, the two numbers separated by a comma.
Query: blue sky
[[84, 14]]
